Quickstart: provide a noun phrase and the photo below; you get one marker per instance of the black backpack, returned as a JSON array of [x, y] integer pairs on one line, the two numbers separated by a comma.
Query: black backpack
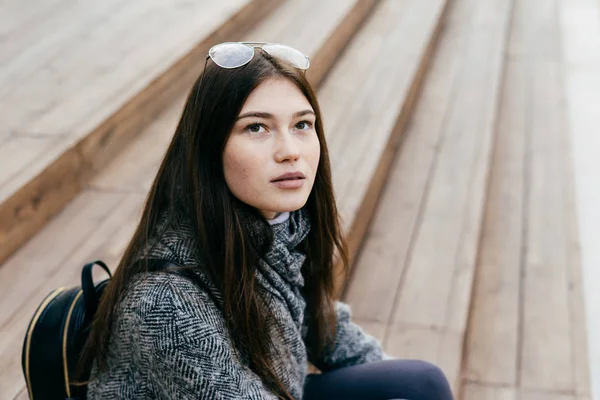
[[56, 335]]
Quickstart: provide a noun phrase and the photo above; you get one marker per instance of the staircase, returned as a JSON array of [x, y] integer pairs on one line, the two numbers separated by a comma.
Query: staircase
[[435, 119]]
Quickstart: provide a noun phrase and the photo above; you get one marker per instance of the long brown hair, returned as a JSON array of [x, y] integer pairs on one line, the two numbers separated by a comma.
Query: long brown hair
[[191, 178]]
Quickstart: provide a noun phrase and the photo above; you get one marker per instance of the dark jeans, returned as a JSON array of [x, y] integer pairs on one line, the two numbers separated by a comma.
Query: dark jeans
[[383, 380]]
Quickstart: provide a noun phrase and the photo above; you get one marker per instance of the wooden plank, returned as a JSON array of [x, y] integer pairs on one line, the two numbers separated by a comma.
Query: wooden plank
[[467, 252], [364, 209], [4, 136], [447, 239], [546, 319], [385, 91], [413, 342], [389, 98], [23, 395], [379, 267], [369, 97], [277, 22], [335, 95], [128, 66], [492, 348], [580, 29], [37, 42], [534, 30], [18, 152], [492, 351], [474, 391], [107, 241], [15, 14], [579, 335], [538, 395], [439, 281], [327, 53], [134, 169], [127, 114], [35, 194], [440, 343], [109, 57], [577, 306], [477, 391]]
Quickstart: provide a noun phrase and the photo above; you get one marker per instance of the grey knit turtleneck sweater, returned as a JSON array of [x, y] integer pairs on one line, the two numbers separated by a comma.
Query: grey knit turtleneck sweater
[[169, 339]]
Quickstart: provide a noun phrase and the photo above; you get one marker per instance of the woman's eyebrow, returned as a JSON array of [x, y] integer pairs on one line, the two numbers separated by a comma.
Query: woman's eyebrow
[[303, 112], [265, 115]]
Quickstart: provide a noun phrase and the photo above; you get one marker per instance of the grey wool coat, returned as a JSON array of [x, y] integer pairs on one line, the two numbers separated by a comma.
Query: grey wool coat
[[169, 339]]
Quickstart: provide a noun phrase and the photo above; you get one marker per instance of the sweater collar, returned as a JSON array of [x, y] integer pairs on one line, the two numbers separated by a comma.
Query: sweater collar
[[281, 217], [281, 238]]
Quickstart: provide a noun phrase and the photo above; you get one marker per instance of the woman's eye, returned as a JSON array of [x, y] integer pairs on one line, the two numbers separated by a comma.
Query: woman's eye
[[304, 125], [255, 128]]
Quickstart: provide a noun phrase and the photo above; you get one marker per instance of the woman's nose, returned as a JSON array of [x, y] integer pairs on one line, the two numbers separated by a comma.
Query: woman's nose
[[287, 148]]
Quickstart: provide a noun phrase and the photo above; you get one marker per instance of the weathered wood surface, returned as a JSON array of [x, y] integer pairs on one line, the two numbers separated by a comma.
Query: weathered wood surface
[[79, 81], [415, 270]]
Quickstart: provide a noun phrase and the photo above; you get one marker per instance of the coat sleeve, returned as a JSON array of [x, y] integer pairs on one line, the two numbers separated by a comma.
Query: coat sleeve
[[352, 346], [187, 354]]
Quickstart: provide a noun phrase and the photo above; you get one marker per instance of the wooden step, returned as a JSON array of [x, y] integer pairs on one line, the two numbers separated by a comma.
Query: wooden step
[[78, 81], [580, 23], [99, 222], [528, 331], [413, 279], [365, 120]]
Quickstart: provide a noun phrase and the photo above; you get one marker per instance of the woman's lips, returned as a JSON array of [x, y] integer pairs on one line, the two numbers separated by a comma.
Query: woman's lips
[[289, 183]]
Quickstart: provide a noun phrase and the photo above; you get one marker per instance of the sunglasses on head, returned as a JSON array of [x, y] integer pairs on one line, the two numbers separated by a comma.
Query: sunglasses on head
[[237, 54]]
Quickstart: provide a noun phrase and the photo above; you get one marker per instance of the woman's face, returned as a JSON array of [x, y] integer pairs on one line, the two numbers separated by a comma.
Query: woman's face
[[273, 135]]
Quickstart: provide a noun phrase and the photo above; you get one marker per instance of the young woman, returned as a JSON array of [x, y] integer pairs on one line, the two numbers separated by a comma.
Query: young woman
[[226, 288]]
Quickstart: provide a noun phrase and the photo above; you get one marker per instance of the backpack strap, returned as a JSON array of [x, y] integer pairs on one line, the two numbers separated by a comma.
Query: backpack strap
[[90, 297]]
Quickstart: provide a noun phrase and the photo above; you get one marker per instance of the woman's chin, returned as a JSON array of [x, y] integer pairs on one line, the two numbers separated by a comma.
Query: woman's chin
[[284, 206]]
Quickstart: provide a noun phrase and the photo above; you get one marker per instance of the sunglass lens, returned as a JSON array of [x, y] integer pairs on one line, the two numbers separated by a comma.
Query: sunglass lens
[[288, 54], [231, 55]]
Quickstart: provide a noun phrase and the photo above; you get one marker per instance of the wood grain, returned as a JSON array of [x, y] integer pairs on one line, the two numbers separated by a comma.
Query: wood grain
[[28, 198], [546, 302], [493, 343], [580, 33], [474, 391], [380, 265], [535, 343], [86, 128], [443, 254], [390, 20], [440, 177]]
